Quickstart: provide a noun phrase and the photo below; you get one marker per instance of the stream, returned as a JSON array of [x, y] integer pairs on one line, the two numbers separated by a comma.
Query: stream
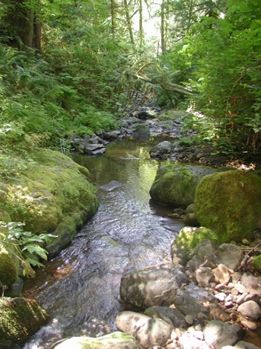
[[80, 287]]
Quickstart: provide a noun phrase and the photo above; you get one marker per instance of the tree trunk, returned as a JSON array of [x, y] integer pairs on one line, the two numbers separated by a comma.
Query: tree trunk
[[141, 31], [129, 24], [162, 27], [113, 18]]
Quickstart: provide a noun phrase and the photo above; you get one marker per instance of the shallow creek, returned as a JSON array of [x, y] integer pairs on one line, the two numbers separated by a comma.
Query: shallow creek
[[80, 287]]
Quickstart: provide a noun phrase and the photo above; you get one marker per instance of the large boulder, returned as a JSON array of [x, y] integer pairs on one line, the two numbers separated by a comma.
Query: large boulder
[[219, 334], [51, 194], [116, 340], [230, 204], [151, 286], [149, 332], [175, 184], [8, 265], [19, 319]]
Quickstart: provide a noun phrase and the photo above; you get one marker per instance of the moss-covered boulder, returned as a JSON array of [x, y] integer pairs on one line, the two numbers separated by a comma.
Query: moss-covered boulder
[[50, 193], [175, 184], [187, 240], [8, 266], [230, 204], [116, 340], [19, 319], [256, 262]]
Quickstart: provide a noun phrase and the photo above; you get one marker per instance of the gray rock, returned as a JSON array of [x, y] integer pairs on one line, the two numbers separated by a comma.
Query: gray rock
[[94, 149], [204, 253], [141, 132], [221, 274], [218, 334], [230, 255], [190, 340], [191, 219], [245, 345], [251, 283], [161, 150], [151, 286], [147, 331], [169, 315], [116, 340], [111, 186], [111, 135], [203, 276], [250, 309]]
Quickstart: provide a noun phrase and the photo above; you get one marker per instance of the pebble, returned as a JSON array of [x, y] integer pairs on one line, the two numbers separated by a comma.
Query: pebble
[[220, 296], [250, 309], [250, 325]]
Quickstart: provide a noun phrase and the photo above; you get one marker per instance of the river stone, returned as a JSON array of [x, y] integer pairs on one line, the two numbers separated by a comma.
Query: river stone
[[19, 319], [230, 203], [230, 255], [147, 331], [175, 184], [250, 309], [251, 283], [244, 345], [116, 340], [151, 286], [221, 274], [141, 132], [169, 315], [190, 340], [203, 276], [161, 150], [218, 334]]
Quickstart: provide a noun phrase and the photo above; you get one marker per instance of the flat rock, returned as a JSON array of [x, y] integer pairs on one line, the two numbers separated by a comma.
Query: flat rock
[[230, 255], [251, 283], [221, 274], [148, 331], [203, 276], [190, 340], [218, 334], [116, 340], [151, 286]]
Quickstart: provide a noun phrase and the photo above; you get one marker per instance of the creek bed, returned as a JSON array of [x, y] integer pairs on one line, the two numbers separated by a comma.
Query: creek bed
[[80, 287]]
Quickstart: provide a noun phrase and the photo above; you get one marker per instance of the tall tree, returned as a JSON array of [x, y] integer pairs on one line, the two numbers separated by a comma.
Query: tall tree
[[141, 30], [162, 27], [113, 18], [21, 23], [129, 22]]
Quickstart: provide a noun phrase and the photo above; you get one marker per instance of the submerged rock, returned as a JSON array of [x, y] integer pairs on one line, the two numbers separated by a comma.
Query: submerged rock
[[141, 132], [151, 286], [19, 319], [148, 331], [230, 204], [175, 184], [161, 150], [116, 340]]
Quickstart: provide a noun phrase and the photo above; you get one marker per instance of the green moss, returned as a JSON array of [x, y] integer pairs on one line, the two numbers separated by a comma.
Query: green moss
[[188, 238], [19, 318], [175, 184], [257, 262], [229, 203], [8, 266], [52, 194]]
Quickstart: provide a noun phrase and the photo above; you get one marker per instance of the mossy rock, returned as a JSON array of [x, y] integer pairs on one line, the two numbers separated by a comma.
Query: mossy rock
[[189, 238], [51, 195], [19, 319], [116, 340], [256, 262], [229, 203], [175, 184], [8, 266]]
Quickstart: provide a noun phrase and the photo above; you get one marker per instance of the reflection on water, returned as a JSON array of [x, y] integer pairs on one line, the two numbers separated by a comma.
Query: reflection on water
[[80, 287]]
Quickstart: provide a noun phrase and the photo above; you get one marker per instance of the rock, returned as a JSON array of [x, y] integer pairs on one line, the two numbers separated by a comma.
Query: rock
[[111, 135], [52, 194], [244, 345], [249, 325], [94, 149], [16, 288], [256, 262], [218, 334], [221, 274], [188, 239], [230, 255], [147, 331], [251, 283], [151, 286], [191, 219], [190, 299], [250, 309], [169, 315], [175, 184], [203, 276], [190, 340], [145, 113], [8, 265], [116, 340], [220, 296], [239, 214], [161, 150], [111, 186], [141, 132], [19, 319]]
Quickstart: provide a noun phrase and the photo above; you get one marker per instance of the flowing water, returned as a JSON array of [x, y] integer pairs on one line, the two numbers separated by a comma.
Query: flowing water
[[80, 287]]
